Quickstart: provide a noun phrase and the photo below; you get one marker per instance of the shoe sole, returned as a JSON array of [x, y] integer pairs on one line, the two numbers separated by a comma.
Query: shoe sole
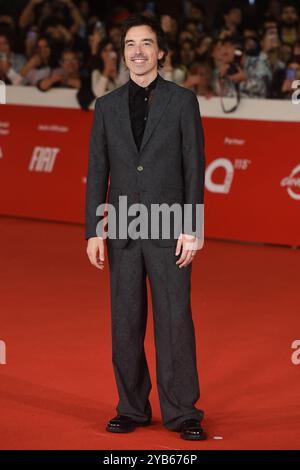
[[118, 430], [194, 438]]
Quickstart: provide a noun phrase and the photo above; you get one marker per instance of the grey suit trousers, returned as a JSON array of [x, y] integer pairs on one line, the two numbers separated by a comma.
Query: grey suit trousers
[[176, 368]]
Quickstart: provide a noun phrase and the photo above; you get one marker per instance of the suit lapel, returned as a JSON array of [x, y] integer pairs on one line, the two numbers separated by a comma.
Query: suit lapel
[[161, 97]]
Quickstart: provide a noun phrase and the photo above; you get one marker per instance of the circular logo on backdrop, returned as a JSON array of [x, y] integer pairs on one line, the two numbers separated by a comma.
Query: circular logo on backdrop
[[292, 183], [225, 185]]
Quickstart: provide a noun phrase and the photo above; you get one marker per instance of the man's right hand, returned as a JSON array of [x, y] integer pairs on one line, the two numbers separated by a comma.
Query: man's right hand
[[95, 252]]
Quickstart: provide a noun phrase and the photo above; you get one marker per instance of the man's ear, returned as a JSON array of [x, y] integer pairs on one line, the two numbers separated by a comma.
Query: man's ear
[[126, 68], [160, 54]]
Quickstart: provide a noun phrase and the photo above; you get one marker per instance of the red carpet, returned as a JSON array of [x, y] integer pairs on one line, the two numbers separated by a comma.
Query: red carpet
[[57, 388]]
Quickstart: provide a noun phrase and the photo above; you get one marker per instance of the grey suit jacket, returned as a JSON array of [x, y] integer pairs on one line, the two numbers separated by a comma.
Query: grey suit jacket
[[168, 168]]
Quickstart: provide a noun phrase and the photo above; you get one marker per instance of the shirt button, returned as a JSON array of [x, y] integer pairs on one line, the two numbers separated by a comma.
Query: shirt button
[[146, 99], [146, 88], [145, 118], [140, 168]]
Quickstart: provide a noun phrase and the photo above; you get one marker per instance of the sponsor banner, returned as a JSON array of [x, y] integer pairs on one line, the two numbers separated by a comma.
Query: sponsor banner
[[43, 162], [252, 172], [252, 181]]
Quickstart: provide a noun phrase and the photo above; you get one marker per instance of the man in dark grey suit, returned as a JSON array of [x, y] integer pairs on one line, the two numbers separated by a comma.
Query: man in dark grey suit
[[147, 143]]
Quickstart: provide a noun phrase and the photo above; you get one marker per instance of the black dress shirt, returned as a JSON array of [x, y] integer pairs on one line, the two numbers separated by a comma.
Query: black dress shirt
[[139, 101]]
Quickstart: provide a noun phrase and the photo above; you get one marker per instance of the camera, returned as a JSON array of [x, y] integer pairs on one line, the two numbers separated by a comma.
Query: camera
[[235, 65]]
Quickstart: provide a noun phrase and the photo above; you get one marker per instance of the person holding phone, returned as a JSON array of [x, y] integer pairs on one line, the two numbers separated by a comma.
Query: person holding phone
[[292, 74], [105, 75], [42, 62]]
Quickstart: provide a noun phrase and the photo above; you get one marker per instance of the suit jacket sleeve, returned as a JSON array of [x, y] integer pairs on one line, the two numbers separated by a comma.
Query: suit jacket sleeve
[[98, 172], [193, 160]]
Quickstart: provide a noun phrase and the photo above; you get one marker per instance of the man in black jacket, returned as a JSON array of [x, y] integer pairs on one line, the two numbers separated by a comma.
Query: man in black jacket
[[147, 142]]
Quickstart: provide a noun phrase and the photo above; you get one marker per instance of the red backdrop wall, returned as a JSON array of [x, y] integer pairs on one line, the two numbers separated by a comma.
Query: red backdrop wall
[[252, 180]]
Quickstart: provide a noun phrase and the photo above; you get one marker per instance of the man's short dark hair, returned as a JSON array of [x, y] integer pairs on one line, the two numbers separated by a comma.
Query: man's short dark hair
[[154, 24]]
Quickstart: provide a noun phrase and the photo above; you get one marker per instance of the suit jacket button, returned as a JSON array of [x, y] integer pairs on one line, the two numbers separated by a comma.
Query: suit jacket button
[[140, 168]]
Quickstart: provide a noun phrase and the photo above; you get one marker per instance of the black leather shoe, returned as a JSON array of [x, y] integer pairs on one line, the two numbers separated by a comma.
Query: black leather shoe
[[191, 429], [122, 423]]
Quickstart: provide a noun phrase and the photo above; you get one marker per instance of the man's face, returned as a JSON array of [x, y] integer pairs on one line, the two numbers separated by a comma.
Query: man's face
[[270, 40], [141, 50], [289, 15], [70, 63]]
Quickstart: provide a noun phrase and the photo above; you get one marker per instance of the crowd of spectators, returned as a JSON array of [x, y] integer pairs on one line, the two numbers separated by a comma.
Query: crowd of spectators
[[67, 43]]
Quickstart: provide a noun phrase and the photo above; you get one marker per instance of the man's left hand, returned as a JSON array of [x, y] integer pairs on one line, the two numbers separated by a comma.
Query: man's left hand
[[190, 245]]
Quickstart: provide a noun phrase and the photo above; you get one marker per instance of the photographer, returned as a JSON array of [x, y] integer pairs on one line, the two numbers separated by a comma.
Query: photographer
[[228, 72], [237, 73]]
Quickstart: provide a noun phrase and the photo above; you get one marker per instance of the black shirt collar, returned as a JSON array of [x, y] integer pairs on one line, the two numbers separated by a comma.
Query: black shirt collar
[[135, 88]]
